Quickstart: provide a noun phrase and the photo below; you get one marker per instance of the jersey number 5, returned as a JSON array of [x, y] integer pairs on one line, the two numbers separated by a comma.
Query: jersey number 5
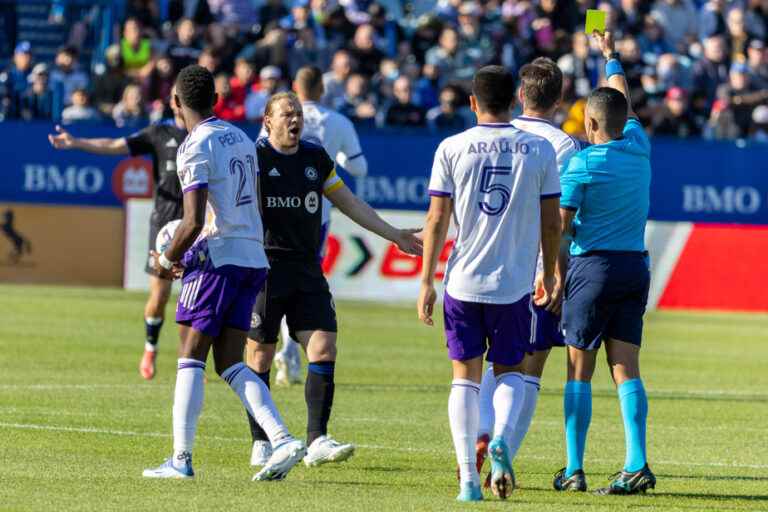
[[236, 166], [497, 189]]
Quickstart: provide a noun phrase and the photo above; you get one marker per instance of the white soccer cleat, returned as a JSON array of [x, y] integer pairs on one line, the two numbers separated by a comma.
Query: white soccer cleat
[[168, 470], [325, 449], [262, 451], [281, 363], [284, 457]]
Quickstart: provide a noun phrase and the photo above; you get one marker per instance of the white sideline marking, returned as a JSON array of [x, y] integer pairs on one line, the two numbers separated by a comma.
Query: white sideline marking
[[128, 433]]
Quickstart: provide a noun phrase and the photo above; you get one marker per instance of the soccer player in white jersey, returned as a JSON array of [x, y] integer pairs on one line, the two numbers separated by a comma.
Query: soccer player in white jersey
[[337, 135], [541, 84], [222, 273], [501, 186]]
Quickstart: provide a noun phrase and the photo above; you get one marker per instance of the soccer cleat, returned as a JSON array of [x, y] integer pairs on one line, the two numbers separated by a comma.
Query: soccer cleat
[[283, 458], [168, 470], [576, 482], [630, 483], [262, 451], [502, 476], [325, 449], [147, 366], [481, 447], [470, 491]]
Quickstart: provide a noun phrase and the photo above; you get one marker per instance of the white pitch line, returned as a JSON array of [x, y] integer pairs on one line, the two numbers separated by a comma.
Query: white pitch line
[[128, 433]]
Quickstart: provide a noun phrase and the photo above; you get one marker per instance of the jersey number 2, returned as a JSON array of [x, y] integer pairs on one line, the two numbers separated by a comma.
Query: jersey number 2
[[236, 166], [497, 189]]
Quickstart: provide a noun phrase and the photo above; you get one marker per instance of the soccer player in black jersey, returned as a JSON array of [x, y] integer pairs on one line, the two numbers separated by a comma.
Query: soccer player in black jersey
[[294, 175], [160, 141]]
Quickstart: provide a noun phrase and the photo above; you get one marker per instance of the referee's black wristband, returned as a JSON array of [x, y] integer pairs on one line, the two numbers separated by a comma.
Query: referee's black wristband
[[614, 56]]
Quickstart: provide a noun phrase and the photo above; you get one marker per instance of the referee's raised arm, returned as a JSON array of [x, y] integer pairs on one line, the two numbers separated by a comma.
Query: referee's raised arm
[[613, 70]]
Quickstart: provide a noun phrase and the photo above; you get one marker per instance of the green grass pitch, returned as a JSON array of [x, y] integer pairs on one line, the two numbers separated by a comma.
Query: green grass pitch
[[78, 424]]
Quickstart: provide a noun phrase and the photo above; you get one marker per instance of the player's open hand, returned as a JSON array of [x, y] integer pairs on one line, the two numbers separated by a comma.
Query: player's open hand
[[605, 40], [64, 139], [408, 242], [547, 293], [426, 305], [162, 272]]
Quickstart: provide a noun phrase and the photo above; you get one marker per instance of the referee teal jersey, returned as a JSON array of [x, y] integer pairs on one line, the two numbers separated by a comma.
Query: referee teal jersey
[[608, 185]]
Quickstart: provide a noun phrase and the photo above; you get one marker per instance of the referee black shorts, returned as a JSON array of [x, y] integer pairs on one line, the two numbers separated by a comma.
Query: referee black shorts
[[297, 291]]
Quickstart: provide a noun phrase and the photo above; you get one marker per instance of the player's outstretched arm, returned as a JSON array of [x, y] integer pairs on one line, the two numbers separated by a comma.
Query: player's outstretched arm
[[65, 140], [435, 232], [613, 69], [360, 212]]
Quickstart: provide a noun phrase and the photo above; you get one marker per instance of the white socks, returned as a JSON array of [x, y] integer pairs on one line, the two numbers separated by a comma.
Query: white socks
[[255, 396], [487, 388], [532, 387], [290, 346], [507, 403], [187, 404], [463, 414]]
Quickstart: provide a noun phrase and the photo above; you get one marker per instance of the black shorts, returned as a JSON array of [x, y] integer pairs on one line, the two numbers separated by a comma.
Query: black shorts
[[156, 223], [605, 297], [297, 291]]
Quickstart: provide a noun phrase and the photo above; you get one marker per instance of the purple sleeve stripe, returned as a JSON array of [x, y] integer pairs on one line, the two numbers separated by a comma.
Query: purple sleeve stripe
[[551, 196], [195, 186], [355, 156], [439, 193]]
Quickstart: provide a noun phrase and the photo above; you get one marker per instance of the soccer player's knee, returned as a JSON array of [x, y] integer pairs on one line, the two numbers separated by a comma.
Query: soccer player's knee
[[322, 347]]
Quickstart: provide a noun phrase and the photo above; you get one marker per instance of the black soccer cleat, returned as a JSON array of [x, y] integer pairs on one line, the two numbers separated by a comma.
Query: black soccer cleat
[[577, 482], [625, 483]]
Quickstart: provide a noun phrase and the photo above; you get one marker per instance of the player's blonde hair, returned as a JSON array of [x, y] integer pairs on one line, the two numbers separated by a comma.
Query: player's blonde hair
[[288, 95]]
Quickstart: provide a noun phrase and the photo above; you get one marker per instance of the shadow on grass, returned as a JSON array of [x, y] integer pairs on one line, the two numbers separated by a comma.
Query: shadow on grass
[[712, 496], [715, 478]]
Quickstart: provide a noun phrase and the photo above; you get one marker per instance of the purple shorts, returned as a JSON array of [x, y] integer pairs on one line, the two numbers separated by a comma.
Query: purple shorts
[[547, 332], [504, 330], [213, 298]]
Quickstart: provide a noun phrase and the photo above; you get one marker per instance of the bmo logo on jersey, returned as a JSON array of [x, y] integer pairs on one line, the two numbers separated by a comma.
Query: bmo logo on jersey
[[283, 202]]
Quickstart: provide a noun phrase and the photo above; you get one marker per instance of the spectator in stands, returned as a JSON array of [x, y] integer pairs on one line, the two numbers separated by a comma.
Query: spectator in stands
[[334, 81], [108, 85], [227, 108], [363, 50], [672, 72], [675, 119], [756, 18], [271, 50], [269, 79], [158, 84], [712, 19], [130, 112], [389, 33], [186, 49], [135, 48], [79, 109], [721, 125], [146, 12], [67, 76], [383, 81], [358, 103], [738, 37], [210, 60], [631, 17], [652, 41], [581, 65], [402, 112], [272, 12], [427, 86], [741, 96], [238, 15], [476, 41], [447, 116], [37, 102], [679, 20], [711, 71], [452, 61], [18, 72], [243, 81], [759, 130], [758, 66]]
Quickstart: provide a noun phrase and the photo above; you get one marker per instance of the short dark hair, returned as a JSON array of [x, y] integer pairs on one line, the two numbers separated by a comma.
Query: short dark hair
[[541, 83], [494, 89], [610, 108], [309, 80], [195, 88]]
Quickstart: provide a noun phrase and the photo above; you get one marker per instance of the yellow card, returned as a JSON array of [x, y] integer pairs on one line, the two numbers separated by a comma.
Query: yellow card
[[595, 21]]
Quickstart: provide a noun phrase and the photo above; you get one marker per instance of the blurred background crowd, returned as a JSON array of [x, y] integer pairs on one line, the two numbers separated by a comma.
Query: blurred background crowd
[[695, 68]]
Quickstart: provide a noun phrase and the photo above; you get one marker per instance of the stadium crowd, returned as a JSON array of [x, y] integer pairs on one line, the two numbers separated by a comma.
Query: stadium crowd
[[695, 69]]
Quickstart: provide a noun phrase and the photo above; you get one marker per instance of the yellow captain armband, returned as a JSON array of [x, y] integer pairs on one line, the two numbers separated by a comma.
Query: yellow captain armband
[[333, 183]]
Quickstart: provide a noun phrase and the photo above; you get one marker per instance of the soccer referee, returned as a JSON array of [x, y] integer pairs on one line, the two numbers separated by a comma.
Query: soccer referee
[[160, 141], [605, 203]]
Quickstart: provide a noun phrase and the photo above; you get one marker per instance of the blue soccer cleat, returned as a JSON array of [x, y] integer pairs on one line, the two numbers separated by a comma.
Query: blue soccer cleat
[[168, 470], [470, 491], [502, 476]]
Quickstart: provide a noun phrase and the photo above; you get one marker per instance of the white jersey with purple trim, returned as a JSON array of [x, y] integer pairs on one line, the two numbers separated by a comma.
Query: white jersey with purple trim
[[220, 157], [337, 135], [497, 176]]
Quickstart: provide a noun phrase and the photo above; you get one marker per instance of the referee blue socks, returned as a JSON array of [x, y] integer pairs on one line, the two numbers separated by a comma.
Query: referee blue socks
[[634, 411], [577, 405]]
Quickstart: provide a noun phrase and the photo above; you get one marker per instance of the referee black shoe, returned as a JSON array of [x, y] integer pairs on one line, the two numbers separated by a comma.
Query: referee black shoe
[[576, 482], [624, 483]]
